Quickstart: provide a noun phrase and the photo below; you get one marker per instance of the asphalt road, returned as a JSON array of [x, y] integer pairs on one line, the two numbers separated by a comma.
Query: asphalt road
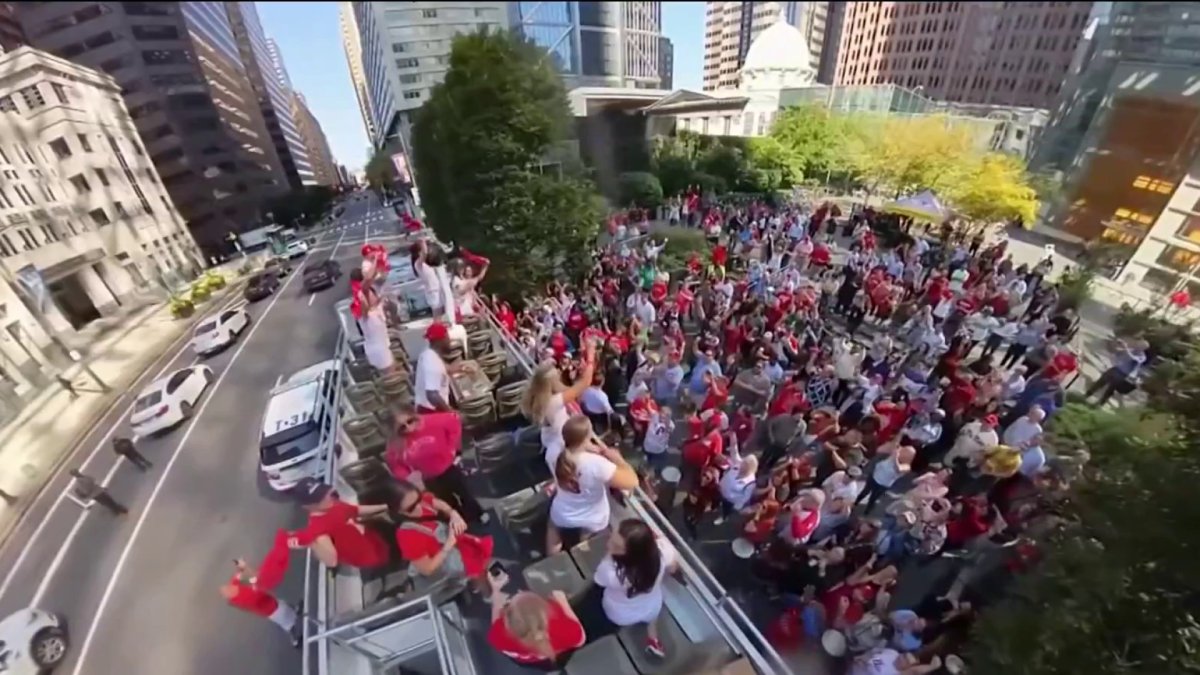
[[140, 592]]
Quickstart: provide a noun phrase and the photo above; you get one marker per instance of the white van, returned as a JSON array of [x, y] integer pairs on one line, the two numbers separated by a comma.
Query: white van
[[298, 427]]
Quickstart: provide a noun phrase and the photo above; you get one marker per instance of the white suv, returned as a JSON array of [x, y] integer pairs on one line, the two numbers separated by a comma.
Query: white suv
[[32, 642]]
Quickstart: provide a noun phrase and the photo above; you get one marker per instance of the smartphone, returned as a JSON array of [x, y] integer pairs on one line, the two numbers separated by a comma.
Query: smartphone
[[496, 569]]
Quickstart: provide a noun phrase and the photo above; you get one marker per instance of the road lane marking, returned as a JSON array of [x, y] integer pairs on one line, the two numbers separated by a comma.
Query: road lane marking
[[62, 496], [145, 512], [311, 297]]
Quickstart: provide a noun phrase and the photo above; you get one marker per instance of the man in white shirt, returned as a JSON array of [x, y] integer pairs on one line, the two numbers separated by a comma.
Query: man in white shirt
[[1025, 429], [979, 326], [431, 388], [973, 439]]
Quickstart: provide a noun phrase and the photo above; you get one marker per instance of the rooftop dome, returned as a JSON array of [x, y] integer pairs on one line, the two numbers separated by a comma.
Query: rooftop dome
[[780, 47]]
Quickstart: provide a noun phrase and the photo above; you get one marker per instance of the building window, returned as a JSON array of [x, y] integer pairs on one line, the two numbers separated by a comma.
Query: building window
[[160, 32], [429, 13], [85, 143], [399, 47], [1153, 184], [48, 235], [412, 94], [8, 105], [120, 210], [60, 148], [102, 177], [410, 79], [25, 198], [32, 95], [81, 184], [408, 63], [4, 199], [99, 217], [1133, 216], [60, 93]]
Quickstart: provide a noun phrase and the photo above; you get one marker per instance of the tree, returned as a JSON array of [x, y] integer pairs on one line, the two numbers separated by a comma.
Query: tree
[[478, 149], [641, 189], [380, 172], [1116, 590], [812, 136], [771, 165], [911, 154], [992, 188]]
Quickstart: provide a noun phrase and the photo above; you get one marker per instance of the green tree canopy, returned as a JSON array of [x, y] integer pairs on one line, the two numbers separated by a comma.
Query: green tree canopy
[[641, 189], [478, 149]]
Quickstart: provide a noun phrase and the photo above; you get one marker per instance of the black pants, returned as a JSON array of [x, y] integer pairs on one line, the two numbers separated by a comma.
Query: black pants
[[137, 459], [771, 456], [451, 487], [1015, 352], [992, 343], [104, 499], [872, 492]]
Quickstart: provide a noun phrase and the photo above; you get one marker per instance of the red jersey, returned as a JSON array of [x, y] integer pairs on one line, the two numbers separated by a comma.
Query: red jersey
[[421, 542], [821, 255], [640, 410], [430, 448], [1063, 363], [701, 451], [658, 292], [355, 545], [720, 255], [249, 598], [562, 632]]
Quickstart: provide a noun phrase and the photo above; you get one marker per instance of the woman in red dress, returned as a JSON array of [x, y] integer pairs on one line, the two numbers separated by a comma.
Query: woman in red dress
[[536, 632], [433, 537]]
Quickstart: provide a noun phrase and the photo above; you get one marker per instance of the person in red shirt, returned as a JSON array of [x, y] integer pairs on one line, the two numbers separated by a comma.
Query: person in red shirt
[[506, 317], [1062, 364], [790, 397], [960, 394], [429, 444], [433, 537], [658, 292], [641, 408], [821, 256], [242, 591], [718, 394], [534, 631], [334, 532], [698, 453], [720, 255], [742, 425]]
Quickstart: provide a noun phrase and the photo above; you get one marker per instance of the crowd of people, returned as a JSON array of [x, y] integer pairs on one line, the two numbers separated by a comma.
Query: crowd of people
[[850, 414]]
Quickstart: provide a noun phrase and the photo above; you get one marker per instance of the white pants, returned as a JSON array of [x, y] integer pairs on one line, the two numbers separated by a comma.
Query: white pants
[[284, 617]]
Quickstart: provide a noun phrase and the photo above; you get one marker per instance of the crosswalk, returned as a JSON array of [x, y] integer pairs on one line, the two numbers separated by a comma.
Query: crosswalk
[[377, 218]]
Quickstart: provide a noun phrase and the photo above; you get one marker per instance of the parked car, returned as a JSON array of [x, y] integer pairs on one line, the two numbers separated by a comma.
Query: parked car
[[170, 400], [296, 248], [260, 286], [218, 332], [32, 642], [321, 275]]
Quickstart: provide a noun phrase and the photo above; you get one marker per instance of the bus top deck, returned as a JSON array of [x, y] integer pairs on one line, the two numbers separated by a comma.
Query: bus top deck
[[382, 621]]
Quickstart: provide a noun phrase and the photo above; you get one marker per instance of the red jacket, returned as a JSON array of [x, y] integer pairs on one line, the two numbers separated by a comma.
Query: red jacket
[[430, 448]]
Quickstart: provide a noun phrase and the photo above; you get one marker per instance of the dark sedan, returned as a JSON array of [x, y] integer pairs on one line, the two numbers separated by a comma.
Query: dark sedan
[[260, 286], [321, 275]]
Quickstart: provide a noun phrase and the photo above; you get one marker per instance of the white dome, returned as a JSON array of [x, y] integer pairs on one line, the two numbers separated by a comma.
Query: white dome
[[780, 47]]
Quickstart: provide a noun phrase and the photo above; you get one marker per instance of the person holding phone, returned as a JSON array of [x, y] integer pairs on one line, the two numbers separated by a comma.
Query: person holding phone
[[584, 471], [242, 591], [536, 632]]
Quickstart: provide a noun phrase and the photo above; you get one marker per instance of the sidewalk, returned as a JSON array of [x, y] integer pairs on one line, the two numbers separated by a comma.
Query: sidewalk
[[49, 428]]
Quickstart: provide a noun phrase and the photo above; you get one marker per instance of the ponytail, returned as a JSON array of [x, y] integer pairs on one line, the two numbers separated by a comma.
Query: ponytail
[[576, 432]]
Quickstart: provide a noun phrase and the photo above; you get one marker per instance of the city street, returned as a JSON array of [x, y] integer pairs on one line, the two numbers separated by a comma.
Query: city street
[[140, 592]]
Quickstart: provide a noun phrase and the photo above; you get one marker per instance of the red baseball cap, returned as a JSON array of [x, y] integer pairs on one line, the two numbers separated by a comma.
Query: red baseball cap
[[991, 420], [437, 331]]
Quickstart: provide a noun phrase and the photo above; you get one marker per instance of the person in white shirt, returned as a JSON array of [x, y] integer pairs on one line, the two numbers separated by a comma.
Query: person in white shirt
[[1001, 333], [738, 483], [583, 472], [1025, 429], [596, 405], [658, 437], [974, 438], [1014, 386], [431, 386], [979, 326], [632, 576], [548, 404], [426, 266], [463, 286]]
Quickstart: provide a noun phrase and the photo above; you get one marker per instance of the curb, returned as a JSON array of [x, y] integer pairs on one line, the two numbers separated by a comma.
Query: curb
[[112, 398]]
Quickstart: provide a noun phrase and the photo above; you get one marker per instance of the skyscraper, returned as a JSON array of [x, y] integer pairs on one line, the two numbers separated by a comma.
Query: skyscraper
[[352, 44], [267, 76], [187, 90], [730, 27], [277, 64], [1001, 53], [406, 51], [324, 168], [615, 44]]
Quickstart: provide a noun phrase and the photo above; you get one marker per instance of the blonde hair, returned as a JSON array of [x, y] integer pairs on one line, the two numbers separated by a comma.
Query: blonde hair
[[575, 432], [527, 618], [545, 383]]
